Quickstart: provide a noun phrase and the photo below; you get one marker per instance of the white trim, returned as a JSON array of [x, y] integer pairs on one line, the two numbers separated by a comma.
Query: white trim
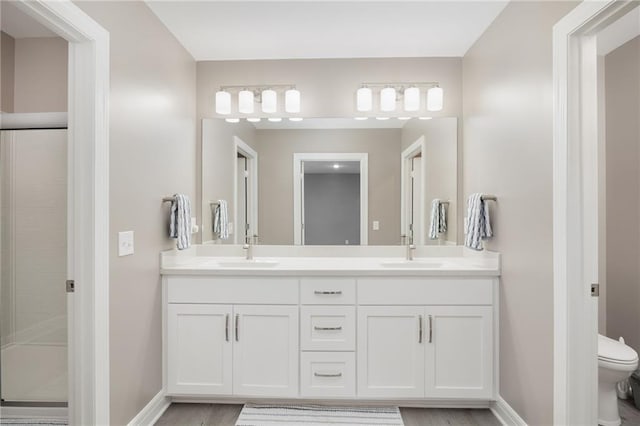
[[506, 414], [575, 208], [88, 205], [419, 146], [151, 412], [51, 413], [363, 158], [243, 148]]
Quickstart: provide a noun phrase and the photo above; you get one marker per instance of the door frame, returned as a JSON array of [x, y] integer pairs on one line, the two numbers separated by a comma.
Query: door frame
[[419, 146], [576, 172], [299, 158], [241, 147], [88, 205]]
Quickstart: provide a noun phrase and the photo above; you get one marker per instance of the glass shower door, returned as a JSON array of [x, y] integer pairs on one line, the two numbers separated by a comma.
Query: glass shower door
[[33, 316]]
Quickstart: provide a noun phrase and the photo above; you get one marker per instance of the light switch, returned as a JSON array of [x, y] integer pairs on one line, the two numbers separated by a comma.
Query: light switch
[[376, 225], [125, 243]]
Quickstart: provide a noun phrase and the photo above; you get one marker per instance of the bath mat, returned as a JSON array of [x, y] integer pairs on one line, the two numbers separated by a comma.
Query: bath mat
[[318, 415], [25, 421]]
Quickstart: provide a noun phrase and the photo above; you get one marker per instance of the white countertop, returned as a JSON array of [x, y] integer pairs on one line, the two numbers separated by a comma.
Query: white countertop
[[431, 262]]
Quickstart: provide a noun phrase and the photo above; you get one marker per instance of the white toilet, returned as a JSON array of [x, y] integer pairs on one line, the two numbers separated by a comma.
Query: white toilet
[[616, 362]]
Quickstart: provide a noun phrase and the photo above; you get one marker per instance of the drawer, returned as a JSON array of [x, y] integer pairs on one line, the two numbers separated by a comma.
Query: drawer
[[425, 291], [328, 291], [238, 290], [328, 328], [328, 374]]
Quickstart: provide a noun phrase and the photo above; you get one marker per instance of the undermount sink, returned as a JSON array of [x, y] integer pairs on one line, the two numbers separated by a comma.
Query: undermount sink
[[412, 264], [253, 263]]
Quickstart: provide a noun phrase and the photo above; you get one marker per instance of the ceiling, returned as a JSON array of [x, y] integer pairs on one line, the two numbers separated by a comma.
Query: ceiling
[[237, 30], [19, 25]]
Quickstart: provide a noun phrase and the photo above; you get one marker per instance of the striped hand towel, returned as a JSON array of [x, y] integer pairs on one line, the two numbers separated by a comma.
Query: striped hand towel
[[221, 220], [438, 219], [180, 221], [478, 223]]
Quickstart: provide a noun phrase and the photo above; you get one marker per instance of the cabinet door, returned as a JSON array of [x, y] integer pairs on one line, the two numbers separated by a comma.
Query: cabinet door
[[390, 351], [199, 349], [459, 357], [265, 353]]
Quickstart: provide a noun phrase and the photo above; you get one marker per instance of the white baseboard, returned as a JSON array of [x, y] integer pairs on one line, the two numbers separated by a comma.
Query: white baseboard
[[507, 415], [53, 413], [152, 411]]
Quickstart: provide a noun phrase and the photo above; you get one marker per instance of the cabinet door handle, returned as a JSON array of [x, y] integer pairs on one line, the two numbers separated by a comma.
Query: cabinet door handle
[[430, 329], [327, 328], [420, 329], [327, 374], [226, 327], [324, 293], [237, 327]]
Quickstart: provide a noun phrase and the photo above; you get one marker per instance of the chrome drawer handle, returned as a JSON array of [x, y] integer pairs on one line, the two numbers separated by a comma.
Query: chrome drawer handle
[[327, 292], [327, 328], [430, 329], [237, 321], [226, 327], [420, 330], [327, 374]]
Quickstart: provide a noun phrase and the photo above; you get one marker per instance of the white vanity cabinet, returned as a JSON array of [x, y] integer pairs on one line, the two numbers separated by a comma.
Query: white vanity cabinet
[[220, 341], [372, 337]]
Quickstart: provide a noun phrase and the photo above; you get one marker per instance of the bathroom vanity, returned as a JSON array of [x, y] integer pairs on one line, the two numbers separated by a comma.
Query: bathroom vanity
[[353, 323]]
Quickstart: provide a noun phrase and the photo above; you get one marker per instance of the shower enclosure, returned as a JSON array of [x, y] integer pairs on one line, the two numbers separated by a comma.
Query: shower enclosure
[[33, 252]]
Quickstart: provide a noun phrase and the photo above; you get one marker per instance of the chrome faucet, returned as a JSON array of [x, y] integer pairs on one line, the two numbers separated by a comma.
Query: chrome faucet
[[248, 246], [410, 248]]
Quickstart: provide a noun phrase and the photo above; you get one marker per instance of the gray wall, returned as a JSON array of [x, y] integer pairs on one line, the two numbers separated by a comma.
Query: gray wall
[[40, 74], [622, 105], [332, 208], [275, 173], [152, 155], [508, 151], [7, 70]]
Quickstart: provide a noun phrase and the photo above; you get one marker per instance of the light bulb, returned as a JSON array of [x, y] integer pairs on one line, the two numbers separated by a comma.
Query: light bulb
[[388, 99], [232, 120], [292, 101], [275, 119], [425, 118], [253, 119], [382, 118], [360, 118], [295, 118], [412, 99], [269, 101], [435, 99], [364, 99], [245, 102], [223, 102]]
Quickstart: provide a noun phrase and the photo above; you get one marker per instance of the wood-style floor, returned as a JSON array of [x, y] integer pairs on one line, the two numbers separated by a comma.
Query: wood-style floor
[[226, 415], [629, 414]]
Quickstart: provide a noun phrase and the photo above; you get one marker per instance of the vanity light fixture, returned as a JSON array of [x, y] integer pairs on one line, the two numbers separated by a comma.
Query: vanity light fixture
[[425, 118], [336, 166], [360, 118], [232, 120], [382, 118], [412, 99], [275, 119], [388, 99], [269, 101], [435, 99], [292, 101], [295, 118], [245, 101], [408, 93], [364, 99], [404, 118], [223, 102], [253, 119]]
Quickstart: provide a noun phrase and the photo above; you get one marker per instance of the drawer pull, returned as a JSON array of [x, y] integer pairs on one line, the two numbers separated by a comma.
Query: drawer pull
[[420, 329], [237, 321], [327, 374], [327, 328], [325, 293], [226, 327], [430, 329]]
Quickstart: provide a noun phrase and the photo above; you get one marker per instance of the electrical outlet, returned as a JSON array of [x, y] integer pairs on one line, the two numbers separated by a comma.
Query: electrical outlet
[[125, 243], [376, 225]]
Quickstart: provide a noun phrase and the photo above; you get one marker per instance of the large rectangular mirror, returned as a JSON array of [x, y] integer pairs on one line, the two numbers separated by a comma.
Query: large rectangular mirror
[[330, 181]]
